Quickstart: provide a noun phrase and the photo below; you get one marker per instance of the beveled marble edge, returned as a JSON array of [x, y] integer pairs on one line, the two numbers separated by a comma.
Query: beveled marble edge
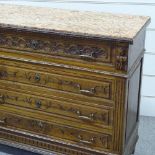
[[63, 33], [104, 26]]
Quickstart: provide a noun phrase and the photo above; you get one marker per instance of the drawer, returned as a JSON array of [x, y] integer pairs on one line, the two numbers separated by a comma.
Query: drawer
[[82, 86], [59, 47], [90, 53], [80, 113], [48, 129], [56, 94]]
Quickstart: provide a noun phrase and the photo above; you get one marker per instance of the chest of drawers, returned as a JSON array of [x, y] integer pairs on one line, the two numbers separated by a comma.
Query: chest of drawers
[[70, 81]]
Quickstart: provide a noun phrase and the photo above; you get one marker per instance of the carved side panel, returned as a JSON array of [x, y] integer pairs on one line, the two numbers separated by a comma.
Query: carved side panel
[[121, 62]]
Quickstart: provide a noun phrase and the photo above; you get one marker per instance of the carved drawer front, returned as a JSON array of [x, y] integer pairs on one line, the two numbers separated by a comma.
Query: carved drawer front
[[69, 48], [82, 86], [83, 114], [67, 133]]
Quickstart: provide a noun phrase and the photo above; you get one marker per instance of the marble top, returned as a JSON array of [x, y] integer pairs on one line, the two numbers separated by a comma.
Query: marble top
[[102, 25]]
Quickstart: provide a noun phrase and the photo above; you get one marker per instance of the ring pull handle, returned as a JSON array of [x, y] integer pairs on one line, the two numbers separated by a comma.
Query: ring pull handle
[[91, 117], [89, 142]]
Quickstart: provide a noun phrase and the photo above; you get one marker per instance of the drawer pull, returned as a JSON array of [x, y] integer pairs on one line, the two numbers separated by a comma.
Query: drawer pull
[[38, 103], [37, 78], [88, 92], [91, 141], [3, 121], [86, 118], [87, 57]]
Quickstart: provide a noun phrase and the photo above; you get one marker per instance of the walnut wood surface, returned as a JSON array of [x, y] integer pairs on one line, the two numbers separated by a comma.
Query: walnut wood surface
[[70, 95]]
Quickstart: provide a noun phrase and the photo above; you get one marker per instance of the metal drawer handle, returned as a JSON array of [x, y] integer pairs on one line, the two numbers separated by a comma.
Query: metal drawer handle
[[3, 121], [86, 118], [91, 141], [88, 92], [87, 57]]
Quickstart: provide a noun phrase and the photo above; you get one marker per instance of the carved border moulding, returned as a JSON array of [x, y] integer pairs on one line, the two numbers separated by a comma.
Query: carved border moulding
[[38, 143], [121, 59], [55, 47], [18, 139]]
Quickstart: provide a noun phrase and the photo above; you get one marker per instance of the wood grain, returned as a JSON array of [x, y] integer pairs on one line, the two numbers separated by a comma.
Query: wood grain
[[70, 94]]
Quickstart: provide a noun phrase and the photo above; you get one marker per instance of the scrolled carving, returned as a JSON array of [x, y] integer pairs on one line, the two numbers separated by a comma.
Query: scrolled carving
[[55, 130], [54, 47], [3, 74], [45, 104], [121, 59], [2, 99], [54, 82], [34, 142], [34, 44], [3, 121], [3, 40]]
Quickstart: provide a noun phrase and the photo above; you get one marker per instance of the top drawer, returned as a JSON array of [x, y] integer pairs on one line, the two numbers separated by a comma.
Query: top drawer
[[52, 46], [87, 53]]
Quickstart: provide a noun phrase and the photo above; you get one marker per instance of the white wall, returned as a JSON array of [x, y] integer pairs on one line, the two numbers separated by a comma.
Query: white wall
[[138, 7]]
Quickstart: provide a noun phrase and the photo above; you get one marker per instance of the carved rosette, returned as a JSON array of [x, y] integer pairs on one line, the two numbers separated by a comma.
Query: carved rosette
[[121, 59], [55, 130], [52, 46], [49, 80], [45, 104]]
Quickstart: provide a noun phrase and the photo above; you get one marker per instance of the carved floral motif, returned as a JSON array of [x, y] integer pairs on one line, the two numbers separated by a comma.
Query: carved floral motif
[[35, 142], [121, 59], [52, 47], [6, 98], [54, 82], [65, 132]]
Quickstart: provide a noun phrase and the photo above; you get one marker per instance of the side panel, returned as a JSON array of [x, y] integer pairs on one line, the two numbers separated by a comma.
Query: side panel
[[136, 51], [132, 119]]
